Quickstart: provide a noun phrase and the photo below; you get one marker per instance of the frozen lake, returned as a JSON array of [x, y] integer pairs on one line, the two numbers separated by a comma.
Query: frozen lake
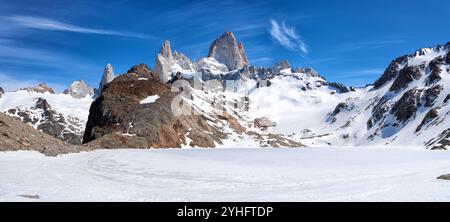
[[303, 174]]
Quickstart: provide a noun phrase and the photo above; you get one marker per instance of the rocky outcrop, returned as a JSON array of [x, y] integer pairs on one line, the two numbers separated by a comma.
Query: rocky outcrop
[[143, 72], [277, 67], [79, 89], [117, 119], [430, 95], [429, 117], [339, 87], [406, 76], [164, 62], [16, 135], [264, 123], [1, 92], [228, 51], [441, 142], [407, 106], [47, 120], [41, 88], [435, 67], [108, 76], [391, 72]]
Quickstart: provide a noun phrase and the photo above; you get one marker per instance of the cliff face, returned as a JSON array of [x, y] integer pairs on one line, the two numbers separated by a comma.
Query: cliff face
[[228, 51]]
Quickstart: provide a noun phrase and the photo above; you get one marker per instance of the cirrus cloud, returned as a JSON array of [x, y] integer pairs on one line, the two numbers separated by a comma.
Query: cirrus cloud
[[288, 37], [53, 25]]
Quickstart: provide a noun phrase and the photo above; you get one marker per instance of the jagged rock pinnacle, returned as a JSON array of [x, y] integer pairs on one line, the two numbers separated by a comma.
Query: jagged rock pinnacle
[[108, 76], [228, 51]]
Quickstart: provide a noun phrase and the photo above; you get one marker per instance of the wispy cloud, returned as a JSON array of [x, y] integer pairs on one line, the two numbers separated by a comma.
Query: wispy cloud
[[362, 73], [53, 25], [369, 44], [262, 59], [288, 37]]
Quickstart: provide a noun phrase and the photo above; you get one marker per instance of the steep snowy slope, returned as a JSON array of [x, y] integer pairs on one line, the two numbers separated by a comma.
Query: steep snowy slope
[[408, 105]]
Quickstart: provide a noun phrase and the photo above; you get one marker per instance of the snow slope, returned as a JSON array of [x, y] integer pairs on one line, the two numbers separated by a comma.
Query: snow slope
[[307, 174], [62, 103]]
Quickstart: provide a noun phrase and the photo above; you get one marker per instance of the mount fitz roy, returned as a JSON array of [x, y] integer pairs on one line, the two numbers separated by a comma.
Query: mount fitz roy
[[231, 103]]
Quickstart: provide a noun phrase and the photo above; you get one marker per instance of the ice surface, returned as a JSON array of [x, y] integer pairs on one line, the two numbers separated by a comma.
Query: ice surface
[[303, 174]]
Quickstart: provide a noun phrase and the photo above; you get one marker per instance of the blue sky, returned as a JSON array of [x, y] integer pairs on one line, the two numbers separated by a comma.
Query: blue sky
[[347, 41]]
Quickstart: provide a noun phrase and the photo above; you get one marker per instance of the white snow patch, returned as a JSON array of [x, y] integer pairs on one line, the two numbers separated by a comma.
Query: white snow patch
[[149, 99]]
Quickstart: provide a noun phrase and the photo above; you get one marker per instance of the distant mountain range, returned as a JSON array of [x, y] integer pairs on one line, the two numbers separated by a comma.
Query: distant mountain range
[[223, 101]]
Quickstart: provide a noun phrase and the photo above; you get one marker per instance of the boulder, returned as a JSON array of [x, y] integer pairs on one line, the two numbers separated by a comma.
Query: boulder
[[444, 177], [264, 122]]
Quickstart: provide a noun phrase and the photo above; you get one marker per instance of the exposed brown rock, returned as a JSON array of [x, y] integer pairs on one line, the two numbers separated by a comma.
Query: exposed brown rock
[[41, 88], [117, 111], [16, 135], [264, 123], [228, 51]]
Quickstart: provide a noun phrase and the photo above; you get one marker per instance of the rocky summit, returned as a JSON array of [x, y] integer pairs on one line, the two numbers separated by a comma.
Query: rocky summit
[[40, 88], [79, 89], [228, 51], [108, 76]]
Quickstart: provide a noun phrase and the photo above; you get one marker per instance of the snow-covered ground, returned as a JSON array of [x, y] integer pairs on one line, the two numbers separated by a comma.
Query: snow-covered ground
[[303, 174]]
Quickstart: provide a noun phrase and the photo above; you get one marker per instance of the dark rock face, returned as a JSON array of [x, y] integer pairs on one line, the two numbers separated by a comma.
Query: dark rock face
[[444, 177], [430, 95], [436, 71], [441, 142], [405, 76], [340, 107], [391, 72], [431, 115], [143, 71], [340, 88], [1, 92], [447, 98], [378, 111], [447, 58], [406, 107], [117, 119]]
